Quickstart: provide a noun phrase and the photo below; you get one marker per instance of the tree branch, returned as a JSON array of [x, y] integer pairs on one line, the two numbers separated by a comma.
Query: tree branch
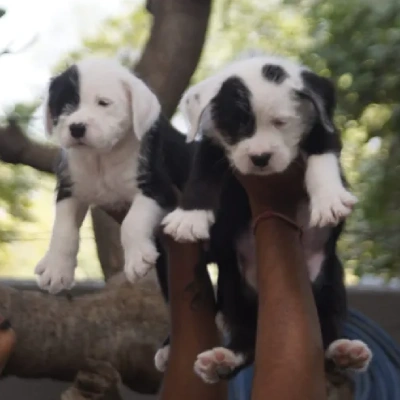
[[107, 234], [58, 336], [17, 148], [174, 48]]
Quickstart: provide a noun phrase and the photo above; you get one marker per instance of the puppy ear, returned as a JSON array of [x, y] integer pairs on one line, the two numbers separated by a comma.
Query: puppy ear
[[321, 92], [196, 109], [145, 106]]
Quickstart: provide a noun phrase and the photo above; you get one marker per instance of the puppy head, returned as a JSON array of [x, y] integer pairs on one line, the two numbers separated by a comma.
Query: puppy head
[[96, 103], [260, 110]]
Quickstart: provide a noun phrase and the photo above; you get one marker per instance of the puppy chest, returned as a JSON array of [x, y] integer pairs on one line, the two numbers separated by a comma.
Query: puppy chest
[[104, 184]]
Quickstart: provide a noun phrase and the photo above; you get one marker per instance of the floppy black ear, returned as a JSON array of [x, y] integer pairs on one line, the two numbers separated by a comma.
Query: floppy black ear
[[321, 92]]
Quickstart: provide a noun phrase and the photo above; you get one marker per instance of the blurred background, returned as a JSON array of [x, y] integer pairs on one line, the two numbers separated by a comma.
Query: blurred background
[[355, 42]]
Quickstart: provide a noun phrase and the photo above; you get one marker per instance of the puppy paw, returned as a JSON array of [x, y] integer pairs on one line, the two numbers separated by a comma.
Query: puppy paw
[[161, 358], [350, 354], [55, 272], [188, 226], [213, 365], [140, 257], [330, 205]]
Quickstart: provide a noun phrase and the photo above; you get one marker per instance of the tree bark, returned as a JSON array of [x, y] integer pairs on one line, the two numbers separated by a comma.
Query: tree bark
[[57, 336], [107, 234], [174, 48]]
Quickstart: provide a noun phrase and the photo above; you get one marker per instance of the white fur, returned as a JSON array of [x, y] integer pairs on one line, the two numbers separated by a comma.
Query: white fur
[[210, 364], [56, 269], [102, 166], [161, 358], [188, 226], [329, 200], [137, 233], [354, 355], [132, 106]]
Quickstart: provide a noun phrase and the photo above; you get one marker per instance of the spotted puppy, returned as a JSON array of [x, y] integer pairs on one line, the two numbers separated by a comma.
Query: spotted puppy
[[263, 112], [107, 122], [256, 116]]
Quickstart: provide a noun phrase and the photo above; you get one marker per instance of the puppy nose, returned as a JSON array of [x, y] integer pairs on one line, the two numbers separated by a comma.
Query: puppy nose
[[260, 160], [77, 130]]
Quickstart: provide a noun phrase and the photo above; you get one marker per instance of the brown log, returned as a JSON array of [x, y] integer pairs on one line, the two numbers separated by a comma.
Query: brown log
[[57, 335]]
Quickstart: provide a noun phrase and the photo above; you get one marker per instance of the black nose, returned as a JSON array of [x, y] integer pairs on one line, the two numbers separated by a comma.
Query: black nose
[[77, 130], [261, 160]]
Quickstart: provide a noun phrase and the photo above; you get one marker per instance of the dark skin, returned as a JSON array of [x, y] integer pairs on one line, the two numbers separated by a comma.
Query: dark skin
[[193, 329], [7, 342], [289, 356], [289, 360]]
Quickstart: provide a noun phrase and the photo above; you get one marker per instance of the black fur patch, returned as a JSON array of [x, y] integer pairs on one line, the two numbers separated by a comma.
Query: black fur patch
[[64, 183], [319, 140], [274, 73], [232, 112], [164, 163], [64, 93]]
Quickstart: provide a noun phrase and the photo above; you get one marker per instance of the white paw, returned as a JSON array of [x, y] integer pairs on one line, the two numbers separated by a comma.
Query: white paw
[[350, 354], [140, 257], [161, 358], [212, 365], [55, 272], [188, 226], [330, 205]]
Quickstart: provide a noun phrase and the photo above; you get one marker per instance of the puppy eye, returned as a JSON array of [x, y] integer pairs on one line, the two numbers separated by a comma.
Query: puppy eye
[[278, 123], [103, 102]]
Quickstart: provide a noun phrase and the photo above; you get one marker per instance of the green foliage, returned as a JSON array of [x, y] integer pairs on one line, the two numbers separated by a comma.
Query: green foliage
[[16, 184], [358, 44], [2, 12]]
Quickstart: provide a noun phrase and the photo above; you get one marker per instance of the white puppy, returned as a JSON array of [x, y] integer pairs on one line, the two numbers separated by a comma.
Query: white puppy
[[98, 111]]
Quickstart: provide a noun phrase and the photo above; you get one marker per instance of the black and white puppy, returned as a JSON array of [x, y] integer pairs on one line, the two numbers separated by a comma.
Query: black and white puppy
[[100, 113], [256, 117], [277, 109]]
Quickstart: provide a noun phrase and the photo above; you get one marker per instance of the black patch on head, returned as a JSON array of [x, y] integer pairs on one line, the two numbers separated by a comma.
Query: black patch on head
[[231, 111], [274, 73], [64, 93]]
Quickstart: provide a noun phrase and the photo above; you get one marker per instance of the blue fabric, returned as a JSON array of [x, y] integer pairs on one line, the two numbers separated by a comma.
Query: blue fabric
[[380, 382]]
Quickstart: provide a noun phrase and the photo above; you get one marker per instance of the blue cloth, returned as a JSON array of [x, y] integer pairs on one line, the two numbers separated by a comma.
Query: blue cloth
[[380, 382]]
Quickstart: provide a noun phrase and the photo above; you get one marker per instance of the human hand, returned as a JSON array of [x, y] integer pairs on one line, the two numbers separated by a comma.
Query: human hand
[[279, 193]]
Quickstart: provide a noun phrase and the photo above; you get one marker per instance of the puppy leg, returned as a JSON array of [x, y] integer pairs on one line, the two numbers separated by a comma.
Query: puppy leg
[[192, 222], [236, 319], [56, 269], [330, 201], [137, 236]]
